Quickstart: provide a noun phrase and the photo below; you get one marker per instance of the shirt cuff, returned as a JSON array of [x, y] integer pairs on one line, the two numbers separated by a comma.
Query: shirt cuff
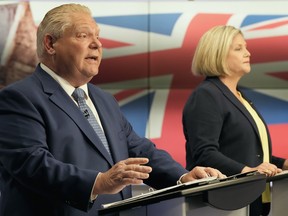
[[94, 196], [179, 180]]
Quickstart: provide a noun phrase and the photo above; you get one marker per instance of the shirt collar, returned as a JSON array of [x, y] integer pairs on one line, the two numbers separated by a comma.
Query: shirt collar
[[68, 88]]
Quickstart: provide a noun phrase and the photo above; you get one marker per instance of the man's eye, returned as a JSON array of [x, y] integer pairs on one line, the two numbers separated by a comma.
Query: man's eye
[[82, 35]]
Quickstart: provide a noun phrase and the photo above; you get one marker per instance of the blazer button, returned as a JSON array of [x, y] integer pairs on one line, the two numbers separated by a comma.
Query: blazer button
[[258, 156]]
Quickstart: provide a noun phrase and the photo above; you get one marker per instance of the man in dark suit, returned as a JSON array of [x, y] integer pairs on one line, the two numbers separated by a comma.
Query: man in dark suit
[[52, 161]]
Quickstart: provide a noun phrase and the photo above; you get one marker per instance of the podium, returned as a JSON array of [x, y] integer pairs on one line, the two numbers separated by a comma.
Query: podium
[[279, 194], [230, 196]]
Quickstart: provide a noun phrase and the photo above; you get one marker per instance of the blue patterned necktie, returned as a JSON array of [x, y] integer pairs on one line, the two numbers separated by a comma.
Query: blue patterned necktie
[[79, 96]]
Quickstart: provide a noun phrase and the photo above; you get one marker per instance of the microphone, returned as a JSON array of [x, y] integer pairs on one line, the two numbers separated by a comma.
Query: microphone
[[86, 113]]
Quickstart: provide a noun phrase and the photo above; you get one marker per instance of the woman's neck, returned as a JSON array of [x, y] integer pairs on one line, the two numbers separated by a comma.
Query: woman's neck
[[231, 83]]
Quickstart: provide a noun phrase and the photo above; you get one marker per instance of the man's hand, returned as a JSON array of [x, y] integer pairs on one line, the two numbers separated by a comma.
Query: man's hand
[[199, 172], [123, 173]]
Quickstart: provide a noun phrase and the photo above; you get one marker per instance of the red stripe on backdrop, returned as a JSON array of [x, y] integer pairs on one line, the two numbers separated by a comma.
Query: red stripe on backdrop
[[270, 26], [280, 75], [279, 142], [269, 49], [111, 44], [127, 93], [172, 138]]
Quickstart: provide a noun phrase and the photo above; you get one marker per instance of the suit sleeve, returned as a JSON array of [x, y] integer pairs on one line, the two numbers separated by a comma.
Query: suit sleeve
[[163, 165], [279, 162]]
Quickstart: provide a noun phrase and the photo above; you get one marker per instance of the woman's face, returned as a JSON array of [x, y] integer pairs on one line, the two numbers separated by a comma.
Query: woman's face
[[238, 58]]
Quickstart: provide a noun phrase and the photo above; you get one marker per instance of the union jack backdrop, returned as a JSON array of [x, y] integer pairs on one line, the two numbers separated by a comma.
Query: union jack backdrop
[[148, 50]]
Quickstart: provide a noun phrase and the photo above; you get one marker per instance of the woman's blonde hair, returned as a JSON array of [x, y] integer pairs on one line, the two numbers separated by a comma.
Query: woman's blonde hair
[[212, 51], [56, 21]]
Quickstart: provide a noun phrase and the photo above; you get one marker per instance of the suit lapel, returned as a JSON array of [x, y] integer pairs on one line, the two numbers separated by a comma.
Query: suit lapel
[[229, 95], [59, 97]]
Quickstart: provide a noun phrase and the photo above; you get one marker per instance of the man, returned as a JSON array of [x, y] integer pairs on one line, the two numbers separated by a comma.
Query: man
[[52, 160]]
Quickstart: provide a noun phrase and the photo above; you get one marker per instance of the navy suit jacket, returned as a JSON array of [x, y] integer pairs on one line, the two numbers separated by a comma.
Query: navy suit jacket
[[220, 132], [50, 155]]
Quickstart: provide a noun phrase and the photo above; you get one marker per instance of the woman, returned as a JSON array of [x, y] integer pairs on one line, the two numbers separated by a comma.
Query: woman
[[221, 126]]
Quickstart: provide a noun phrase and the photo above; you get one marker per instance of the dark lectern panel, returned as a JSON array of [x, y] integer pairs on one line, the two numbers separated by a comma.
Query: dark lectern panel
[[209, 190], [232, 194], [282, 175]]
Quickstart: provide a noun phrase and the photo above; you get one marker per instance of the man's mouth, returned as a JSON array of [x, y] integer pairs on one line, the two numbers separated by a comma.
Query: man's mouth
[[92, 57]]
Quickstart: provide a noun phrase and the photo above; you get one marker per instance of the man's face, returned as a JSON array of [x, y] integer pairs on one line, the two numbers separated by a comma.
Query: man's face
[[78, 52]]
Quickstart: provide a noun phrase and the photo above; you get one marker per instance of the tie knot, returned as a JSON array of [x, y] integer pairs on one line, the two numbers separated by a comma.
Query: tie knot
[[78, 94]]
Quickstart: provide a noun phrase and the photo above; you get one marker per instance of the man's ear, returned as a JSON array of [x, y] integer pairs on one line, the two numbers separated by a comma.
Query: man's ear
[[49, 44]]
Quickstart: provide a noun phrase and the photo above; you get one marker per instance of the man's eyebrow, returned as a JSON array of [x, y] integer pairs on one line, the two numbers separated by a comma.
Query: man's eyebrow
[[86, 27], [81, 27]]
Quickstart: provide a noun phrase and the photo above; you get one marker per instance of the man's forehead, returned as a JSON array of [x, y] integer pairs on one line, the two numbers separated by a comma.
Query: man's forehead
[[85, 23]]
